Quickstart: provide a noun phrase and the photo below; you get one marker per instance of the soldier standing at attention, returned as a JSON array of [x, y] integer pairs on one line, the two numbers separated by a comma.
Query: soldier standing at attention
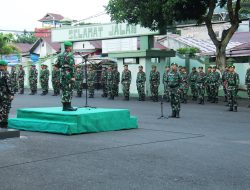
[[6, 94], [232, 88], [110, 83], [44, 80], [56, 80], [164, 81], [91, 81], [66, 62], [126, 81], [79, 81], [174, 81], [184, 86], [209, 96], [104, 82], [33, 79], [20, 79], [247, 82], [224, 82], [154, 79], [214, 82], [13, 79], [193, 80], [117, 81], [201, 80], [140, 83]]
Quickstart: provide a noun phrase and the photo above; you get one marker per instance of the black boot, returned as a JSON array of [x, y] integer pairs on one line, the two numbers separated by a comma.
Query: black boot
[[225, 100], [177, 114], [230, 108], [55, 94], [43, 93], [21, 91], [4, 125], [32, 93], [213, 100], [67, 107], [199, 101], [235, 109], [173, 114]]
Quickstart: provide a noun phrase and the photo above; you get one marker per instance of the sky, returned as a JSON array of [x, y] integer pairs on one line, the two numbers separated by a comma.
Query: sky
[[24, 14]]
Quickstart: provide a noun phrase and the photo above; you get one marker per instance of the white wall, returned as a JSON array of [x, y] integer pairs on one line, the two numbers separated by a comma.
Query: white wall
[[124, 44]]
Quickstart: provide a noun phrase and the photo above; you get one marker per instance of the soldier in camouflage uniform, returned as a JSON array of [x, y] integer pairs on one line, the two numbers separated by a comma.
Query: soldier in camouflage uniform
[[104, 82], [56, 80], [209, 96], [66, 63], [214, 83], [174, 81], [247, 82], [154, 80], [184, 86], [140, 83], [33, 79], [224, 82], [110, 83], [44, 80], [79, 81], [164, 81], [20, 79], [117, 80], [233, 81], [6, 94], [193, 80], [201, 80], [13, 79], [91, 81], [126, 81]]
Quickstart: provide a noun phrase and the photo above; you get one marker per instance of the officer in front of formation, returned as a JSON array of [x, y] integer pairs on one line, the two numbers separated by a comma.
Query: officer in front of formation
[[233, 81], [66, 63], [154, 80], [174, 81], [126, 81], [6, 94], [44, 79], [201, 80], [247, 82], [140, 83], [20, 79], [33, 74], [56, 80]]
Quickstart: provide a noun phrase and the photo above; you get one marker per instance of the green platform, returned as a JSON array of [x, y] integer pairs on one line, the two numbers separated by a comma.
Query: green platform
[[84, 120]]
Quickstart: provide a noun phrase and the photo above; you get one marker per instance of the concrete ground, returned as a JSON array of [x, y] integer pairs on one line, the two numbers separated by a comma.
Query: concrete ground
[[208, 148]]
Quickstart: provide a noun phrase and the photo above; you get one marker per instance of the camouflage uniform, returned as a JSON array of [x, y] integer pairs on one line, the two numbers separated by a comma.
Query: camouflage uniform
[[184, 86], [174, 81], [247, 82], [193, 80], [13, 79], [166, 88], [66, 63], [79, 82], [224, 83], [233, 81], [104, 82], [5, 95], [209, 96], [33, 79], [214, 83], [20, 79], [126, 81], [140, 83], [154, 79], [91, 83], [44, 80], [110, 83], [117, 81], [201, 80], [56, 81]]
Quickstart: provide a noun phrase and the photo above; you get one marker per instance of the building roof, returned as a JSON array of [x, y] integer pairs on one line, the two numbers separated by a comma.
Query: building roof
[[23, 47], [56, 46], [242, 37], [51, 17]]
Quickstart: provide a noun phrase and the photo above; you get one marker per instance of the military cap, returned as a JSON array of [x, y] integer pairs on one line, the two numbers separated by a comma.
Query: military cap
[[126, 65], [230, 60], [214, 67], [193, 68], [68, 44], [153, 66], [209, 67], [3, 63], [231, 66], [200, 67], [174, 64], [184, 67], [140, 66]]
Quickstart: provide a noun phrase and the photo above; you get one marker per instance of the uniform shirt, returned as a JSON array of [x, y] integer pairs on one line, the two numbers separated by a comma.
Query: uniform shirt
[[154, 77], [126, 76], [141, 77], [174, 79]]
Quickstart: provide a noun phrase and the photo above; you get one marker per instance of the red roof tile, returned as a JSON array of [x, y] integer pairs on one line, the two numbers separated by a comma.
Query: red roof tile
[[51, 17]]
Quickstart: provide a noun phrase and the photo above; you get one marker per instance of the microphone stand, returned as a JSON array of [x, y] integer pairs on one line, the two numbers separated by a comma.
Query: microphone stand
[[162, 115]]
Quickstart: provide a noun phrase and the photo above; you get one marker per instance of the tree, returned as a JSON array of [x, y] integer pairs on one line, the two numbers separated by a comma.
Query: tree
[[5, 44], [159, 14], [25, 38]]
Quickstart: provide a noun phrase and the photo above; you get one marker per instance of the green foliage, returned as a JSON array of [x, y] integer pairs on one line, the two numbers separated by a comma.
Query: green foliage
[[245, 9], [188, 50], [25, 38], [5, 44]]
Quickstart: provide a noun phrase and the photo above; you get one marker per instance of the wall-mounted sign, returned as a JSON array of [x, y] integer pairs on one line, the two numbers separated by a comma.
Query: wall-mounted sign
[[11, 58], [99, 32]]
